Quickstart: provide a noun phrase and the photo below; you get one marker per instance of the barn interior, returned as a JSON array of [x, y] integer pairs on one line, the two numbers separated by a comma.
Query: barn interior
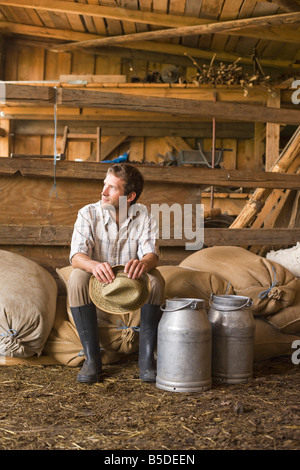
[[203, 97]]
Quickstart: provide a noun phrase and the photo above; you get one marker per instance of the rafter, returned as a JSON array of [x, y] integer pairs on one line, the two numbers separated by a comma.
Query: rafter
[[151, 47], [287, 5], [218, 27], [122, 14], [157, 19]]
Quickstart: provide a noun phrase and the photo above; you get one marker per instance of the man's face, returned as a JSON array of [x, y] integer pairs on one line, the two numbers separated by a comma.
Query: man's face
[[113, 188]]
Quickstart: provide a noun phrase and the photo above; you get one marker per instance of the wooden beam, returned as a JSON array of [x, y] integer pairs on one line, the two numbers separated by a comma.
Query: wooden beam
[[182, 128], [272, 134], [288, 5], [55, 235], [160, 49], [5, 138], [288, 157], [28, 94], [186, 174], [218, 27], [122, 14], [97, 11], [177, 106], [110, 145], [243, 237]]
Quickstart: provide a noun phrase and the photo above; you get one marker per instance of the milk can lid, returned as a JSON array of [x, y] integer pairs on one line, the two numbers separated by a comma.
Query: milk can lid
[[178, 303]]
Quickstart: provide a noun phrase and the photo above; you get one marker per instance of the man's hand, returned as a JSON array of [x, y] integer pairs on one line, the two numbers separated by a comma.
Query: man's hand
[[135, 268], [103, 272]]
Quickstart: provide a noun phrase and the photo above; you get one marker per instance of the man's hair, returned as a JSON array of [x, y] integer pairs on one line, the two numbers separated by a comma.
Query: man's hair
[[132, 177]]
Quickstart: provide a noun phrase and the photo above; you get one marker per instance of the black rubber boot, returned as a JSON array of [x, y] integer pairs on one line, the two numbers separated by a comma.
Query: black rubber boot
[[85, 318], [150, 317]]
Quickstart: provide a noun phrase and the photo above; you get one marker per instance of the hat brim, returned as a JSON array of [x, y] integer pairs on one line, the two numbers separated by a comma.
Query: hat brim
[[101, 302]]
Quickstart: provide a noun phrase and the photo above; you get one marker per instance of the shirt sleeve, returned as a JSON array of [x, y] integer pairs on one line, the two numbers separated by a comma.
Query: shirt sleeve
[[148, 240], [82, 237]]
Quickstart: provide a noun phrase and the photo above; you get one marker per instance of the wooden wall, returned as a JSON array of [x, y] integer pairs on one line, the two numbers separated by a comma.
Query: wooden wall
[[33, 129], [29, 130]]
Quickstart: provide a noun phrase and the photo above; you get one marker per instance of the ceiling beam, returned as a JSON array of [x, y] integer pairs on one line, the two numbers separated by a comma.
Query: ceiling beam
[[158, 19], [122, 14], [177, 106], [157, 48], [218, 27], [287, 5]]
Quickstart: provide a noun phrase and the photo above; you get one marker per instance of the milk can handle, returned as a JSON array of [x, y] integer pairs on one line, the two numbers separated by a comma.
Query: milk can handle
[[249, 303], [192, 304]]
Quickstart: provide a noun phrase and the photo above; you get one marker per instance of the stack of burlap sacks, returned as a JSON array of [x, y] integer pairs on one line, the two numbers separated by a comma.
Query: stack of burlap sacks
[[34, 320]]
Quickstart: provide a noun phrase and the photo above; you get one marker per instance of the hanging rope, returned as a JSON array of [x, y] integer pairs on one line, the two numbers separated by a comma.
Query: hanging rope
[[54, 144]]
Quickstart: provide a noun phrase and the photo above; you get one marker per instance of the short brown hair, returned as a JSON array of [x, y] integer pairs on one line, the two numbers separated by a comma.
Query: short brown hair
[[132, 177]]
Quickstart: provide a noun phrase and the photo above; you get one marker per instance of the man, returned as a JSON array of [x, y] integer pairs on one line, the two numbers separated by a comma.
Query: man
[[115, 231]]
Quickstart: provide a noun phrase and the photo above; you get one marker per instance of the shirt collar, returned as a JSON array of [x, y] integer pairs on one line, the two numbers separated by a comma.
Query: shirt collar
[[107, 217]]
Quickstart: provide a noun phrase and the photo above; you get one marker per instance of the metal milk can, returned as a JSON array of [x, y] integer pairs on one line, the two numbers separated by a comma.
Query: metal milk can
[[233, 330], [184, 347]]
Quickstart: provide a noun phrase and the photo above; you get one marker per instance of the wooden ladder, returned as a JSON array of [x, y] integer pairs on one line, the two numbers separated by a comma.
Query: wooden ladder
[[68, 136]]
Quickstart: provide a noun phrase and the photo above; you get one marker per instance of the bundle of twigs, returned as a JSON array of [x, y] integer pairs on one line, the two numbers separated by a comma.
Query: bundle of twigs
[[231, 74]]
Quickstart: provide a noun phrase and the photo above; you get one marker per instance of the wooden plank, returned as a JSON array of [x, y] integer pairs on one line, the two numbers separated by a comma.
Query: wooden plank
[[61, 236], [229, 156], [259, 145], [137, 149], [28, 94], [212, 28], [272, 134], [98, 12], [288, 5], [288, 156], [172, 175], [30, 63], [105, 12], [176, 106], [178, 143], [110, 145], [5, 126], [92, 78], [158, 51], [228, 130], [40, 206]]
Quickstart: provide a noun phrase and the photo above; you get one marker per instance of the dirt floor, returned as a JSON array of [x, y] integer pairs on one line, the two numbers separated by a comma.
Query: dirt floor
[[43, 407]]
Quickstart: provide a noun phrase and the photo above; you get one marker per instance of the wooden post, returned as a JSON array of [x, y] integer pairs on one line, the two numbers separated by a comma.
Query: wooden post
[[5, 126], [98, 143], [1, 58], [259, 145], [272, 133]]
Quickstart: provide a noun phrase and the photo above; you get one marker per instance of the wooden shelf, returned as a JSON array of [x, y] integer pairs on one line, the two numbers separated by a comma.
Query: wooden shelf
[[172, 175]]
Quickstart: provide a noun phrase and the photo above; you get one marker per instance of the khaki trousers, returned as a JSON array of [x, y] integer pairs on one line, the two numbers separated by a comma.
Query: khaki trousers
[[78, 288]]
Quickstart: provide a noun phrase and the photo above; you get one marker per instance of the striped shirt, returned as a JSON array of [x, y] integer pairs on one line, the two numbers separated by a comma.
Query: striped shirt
[[96, 234]]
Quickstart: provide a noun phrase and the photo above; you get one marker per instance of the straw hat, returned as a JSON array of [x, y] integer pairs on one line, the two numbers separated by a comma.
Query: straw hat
[[123, 295]]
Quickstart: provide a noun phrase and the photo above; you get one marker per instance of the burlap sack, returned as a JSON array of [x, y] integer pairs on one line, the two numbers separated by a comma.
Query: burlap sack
[[271, 286], [289, 258], [287, 320], [63, 343], [182, 282], [118, 334], [28, 295], [270, 342]]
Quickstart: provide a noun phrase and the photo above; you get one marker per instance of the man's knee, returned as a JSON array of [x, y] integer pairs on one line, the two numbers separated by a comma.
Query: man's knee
[[78, 288], [157, 291]]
